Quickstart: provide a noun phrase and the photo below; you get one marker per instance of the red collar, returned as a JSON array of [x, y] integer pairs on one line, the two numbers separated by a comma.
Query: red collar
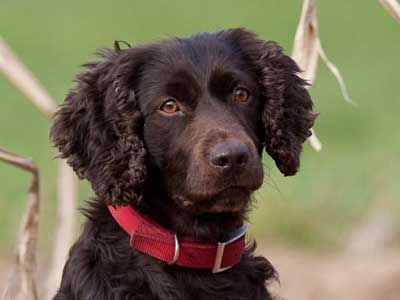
[[151, 238]]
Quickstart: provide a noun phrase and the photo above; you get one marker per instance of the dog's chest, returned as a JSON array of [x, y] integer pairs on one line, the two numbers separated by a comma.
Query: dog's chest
[[165, 283]]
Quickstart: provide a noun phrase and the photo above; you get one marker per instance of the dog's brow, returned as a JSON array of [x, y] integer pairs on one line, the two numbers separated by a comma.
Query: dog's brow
[[222, 81], [183, 86]]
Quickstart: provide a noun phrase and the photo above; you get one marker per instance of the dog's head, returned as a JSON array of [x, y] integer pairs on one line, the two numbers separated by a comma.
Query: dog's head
[[197, 112]]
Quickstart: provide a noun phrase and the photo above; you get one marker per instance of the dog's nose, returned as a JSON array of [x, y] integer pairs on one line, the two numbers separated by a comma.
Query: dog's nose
[[229, 155]]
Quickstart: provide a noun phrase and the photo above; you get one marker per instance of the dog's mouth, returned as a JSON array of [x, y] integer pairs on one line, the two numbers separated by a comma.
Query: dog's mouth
[[231, 199]]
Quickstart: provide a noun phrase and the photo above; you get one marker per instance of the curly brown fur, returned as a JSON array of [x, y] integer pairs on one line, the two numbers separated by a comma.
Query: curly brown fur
[[97, 129], [193, 170]]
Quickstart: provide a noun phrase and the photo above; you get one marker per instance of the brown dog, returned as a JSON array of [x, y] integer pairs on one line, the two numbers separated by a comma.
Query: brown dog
[[175, 131]]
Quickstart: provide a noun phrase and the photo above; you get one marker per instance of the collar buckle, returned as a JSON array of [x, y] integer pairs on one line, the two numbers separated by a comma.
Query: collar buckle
[[218, 259], [237, 234]]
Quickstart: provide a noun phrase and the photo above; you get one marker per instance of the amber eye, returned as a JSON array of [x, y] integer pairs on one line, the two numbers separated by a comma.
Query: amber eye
[[241, 95], [170, 106]]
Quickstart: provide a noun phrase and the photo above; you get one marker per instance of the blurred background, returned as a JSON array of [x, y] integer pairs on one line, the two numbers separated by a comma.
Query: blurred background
[[343, 207]]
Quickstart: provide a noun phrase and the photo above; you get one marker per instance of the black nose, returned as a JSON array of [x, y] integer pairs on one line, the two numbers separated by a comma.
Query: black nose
[[229, 155]]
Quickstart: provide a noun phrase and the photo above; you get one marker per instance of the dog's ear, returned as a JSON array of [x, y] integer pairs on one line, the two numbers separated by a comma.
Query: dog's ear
[[98, 128], [287, 113], [287, 109]]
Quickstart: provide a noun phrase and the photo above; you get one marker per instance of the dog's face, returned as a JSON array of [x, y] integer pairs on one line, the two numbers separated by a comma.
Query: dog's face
[[202, 123], [199, 111]]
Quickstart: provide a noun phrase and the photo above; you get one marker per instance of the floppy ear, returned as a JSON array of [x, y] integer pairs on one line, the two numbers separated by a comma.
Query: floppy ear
[[287, 109], [98, 128], [287, 115]]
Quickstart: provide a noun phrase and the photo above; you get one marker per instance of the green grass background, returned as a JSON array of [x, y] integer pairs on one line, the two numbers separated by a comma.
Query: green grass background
[[356, 172]]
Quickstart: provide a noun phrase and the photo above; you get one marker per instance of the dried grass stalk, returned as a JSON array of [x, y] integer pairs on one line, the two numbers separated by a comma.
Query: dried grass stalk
[[306, 41], [21, 284], [392, 7], [65, 234], [23, 79], [307, 47], [314, 141], [306, 51]]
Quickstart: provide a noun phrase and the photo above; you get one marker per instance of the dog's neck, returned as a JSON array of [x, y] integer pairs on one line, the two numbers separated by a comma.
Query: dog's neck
[[204, 227]]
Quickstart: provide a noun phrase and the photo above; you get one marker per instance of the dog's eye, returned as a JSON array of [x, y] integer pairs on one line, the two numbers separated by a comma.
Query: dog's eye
[[170, 106], [241, 95]]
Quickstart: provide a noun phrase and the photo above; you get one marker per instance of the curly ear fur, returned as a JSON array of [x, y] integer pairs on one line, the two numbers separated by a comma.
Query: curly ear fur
[[287, 115], [98, 129]]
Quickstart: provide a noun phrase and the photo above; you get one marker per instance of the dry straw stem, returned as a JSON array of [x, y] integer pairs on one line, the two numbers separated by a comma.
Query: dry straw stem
[[307, 50], [307, 47], [24, 80], [21, 284], [392, 7], [65, 234]]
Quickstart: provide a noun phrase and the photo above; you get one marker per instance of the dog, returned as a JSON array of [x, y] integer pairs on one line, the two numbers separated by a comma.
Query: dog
[[170, 135]]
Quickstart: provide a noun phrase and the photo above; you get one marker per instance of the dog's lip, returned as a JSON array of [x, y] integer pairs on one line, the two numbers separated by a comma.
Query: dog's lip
[[227, 200], [188, 199], [232, 189]]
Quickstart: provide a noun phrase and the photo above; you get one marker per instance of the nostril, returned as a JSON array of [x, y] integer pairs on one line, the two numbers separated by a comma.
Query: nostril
[[221, 160], [242, 159], [229, 155]]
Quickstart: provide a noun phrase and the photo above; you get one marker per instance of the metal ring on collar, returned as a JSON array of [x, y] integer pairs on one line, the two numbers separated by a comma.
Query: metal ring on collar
[[176, 253]]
